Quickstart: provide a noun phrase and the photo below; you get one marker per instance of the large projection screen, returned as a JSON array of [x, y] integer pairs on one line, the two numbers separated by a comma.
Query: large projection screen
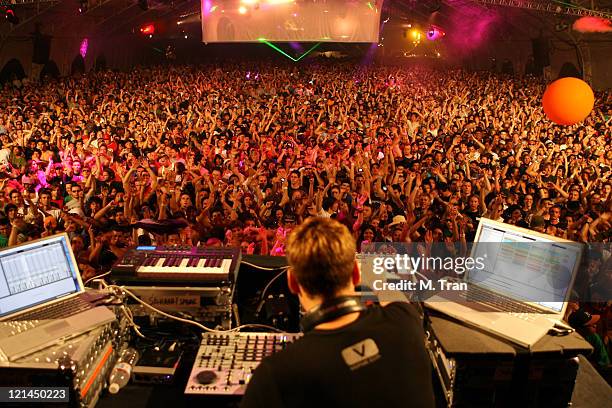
[[288, 20]]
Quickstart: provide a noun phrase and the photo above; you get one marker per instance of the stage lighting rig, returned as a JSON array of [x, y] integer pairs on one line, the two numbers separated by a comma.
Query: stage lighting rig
[[10, 16], [435, 33], [561, 25], [83, 6], [148, 29], [143, 4]]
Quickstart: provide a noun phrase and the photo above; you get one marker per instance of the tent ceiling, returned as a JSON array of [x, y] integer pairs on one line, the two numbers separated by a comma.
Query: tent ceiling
[[110, 17]]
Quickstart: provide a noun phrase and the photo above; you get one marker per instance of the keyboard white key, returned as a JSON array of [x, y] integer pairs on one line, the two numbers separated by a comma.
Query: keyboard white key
[[184, 268], [528, 317]]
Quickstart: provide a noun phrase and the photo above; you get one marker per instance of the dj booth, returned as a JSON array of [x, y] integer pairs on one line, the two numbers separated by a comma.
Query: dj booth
[[475, 369], [589, 390], [470, 368]]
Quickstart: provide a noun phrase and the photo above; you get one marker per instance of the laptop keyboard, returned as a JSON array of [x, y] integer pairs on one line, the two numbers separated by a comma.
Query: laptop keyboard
[[13, 328], [500, 303], [57, 310], [35, 318]]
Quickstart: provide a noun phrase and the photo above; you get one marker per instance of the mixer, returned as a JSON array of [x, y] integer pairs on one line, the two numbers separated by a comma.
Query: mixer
[[225, 362]]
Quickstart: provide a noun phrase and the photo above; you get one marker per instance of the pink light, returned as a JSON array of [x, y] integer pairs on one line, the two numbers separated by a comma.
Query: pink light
[[207, 7], [435, 33], [84, 47]]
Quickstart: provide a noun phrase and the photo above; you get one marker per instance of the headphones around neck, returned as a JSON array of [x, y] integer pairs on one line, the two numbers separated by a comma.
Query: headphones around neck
[[331, 310]]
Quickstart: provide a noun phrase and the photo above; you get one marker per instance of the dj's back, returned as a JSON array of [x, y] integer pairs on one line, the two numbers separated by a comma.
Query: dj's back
[[378, 360]]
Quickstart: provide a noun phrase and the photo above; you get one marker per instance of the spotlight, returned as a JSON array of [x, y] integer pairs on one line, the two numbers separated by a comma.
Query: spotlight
[[561, 25], [143, 4], [242, 10], [435, 33], [84, 47], [11, 17], [148, 29], [83, 6], [434, 6]]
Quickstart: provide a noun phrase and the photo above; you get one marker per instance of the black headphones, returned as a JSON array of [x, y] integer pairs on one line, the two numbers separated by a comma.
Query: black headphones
[[331, 310]]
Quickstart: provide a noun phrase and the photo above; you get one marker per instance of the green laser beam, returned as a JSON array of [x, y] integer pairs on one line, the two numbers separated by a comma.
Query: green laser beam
[[308, 52], [269, 44]]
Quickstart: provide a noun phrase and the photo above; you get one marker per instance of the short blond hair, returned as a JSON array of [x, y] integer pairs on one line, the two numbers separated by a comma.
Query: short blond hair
[[321, 253]]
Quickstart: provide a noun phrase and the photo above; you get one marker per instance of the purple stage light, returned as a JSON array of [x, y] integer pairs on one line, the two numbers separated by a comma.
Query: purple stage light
[[84, 47], [435, 33]]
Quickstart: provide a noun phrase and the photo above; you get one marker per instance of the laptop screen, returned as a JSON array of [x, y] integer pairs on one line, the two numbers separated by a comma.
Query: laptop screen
[[35, 273], [524, 264]]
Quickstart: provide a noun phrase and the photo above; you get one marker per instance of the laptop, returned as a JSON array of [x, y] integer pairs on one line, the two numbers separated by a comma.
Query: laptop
[[521, 292], [42, 297]]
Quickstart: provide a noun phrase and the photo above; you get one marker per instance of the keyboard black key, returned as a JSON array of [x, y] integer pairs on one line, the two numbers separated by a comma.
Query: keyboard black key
[[58, 310], [498, 301]]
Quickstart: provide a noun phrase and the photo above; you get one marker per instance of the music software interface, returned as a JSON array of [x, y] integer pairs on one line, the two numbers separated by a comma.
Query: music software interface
[[33, 274], [525, 266]]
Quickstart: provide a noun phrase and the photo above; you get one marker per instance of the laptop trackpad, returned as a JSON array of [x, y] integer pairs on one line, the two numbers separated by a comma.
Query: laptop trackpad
[[56, 327]]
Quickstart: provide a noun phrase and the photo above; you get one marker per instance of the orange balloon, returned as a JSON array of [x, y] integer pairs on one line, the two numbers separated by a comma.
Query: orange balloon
[[568, 101]]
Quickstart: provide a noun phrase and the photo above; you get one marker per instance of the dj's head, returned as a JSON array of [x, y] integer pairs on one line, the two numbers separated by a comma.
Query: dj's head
[[321, 255]]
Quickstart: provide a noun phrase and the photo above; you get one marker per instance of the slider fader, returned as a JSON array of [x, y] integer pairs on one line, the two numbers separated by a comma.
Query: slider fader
[[225, 362]]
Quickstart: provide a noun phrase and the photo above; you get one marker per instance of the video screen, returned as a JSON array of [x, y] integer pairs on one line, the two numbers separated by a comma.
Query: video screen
[[288, 20]]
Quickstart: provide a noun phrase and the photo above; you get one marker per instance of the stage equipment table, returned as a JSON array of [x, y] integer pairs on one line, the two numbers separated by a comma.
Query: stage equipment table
[[476, 369]]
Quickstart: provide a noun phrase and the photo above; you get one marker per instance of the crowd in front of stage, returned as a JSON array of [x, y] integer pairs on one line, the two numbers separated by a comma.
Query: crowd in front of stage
[[238, 155]]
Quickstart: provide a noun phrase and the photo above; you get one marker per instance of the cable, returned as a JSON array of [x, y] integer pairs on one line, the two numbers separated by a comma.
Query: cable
[[192, 322], [128, 315], [264, 268], [262, 298], [256, 326], [96, 277], [421, 275], [265, 289]]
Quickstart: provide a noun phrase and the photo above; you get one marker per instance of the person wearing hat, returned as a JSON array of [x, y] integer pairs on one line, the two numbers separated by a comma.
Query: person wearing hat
[[585, 324], [395, 228]]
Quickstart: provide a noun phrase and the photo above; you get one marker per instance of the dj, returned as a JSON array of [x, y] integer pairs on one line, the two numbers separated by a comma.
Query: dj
[[349, 356]]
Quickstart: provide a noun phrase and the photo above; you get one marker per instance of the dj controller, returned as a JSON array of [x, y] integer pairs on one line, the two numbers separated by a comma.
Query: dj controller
[[225, 362]]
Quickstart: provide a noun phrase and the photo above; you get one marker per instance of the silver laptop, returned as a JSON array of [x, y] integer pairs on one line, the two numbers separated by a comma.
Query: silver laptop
[[42, 298], [523, 288]]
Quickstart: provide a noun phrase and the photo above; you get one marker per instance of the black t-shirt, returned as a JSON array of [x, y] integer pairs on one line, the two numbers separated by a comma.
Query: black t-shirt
[[377, 361], [561, 224], [474, 215], [107, 258]]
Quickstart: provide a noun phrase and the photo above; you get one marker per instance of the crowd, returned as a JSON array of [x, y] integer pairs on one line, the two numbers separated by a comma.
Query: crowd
[[237, 155]]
